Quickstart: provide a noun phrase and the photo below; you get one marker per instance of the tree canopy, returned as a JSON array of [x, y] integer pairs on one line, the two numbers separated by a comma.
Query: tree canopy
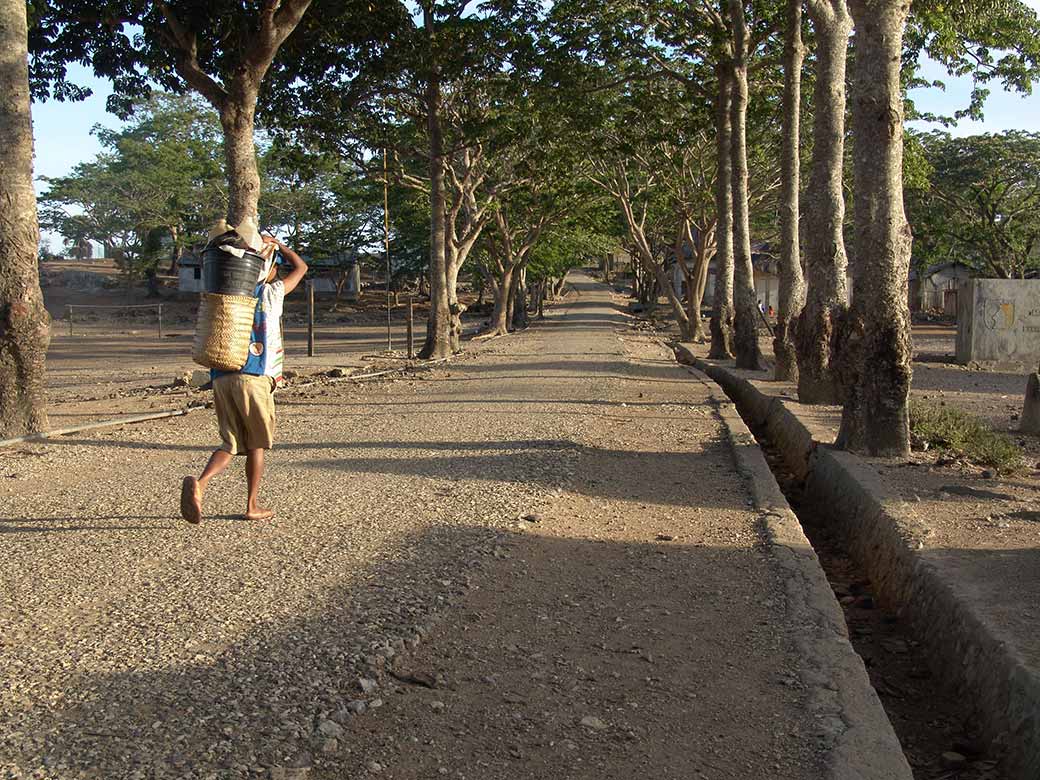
[[978, 202]]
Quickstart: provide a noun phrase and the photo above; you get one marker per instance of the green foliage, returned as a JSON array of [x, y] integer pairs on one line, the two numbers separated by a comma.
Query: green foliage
[[318, 203], [569, 245], [640, 83], [951, 430], [163, 172], [987, 40], [976, 200], [133, 43]]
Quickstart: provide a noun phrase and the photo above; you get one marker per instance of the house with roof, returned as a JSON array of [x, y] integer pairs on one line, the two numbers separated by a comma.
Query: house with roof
[[766, 276], [189, 274], [935, 287]]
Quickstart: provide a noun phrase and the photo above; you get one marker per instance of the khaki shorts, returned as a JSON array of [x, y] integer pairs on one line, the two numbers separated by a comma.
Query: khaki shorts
[[245, 412]]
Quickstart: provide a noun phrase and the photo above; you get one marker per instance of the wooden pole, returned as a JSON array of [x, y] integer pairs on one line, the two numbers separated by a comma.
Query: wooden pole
[[69, 310], [104, 424], [411, 330], [160, 320], [310, 318], [386, 248]]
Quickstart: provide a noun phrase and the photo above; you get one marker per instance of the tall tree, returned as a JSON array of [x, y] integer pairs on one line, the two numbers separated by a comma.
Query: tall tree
[[692, 188], [630, 181], [745, 336], [722, 313], [223, 50], [792, 283], [438, 326], [874, 344], [160, 176], [825, 258], [432, 97], [24, 324], [510, 250]]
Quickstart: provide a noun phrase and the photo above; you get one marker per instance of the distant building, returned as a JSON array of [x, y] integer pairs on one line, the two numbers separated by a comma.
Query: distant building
[[936, 287], [189, 274], [617, 261], [326, 272], [766, 278]]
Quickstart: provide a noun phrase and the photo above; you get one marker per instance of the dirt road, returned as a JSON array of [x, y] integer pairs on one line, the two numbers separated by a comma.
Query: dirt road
[[539, 562]]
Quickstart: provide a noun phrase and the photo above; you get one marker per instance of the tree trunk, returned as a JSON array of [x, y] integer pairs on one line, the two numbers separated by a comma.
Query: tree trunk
[[24, 323], [455, 308], [511, 300], [825, 260], [645, 255], [874, 343], [792, 284], [722, 305], [518, 306], [175, 254], [438, 326], [1030, 417], [500, 313], [696, 278], [700, 282], [424, 283], [745, 322], [243, 175], [692, 309]]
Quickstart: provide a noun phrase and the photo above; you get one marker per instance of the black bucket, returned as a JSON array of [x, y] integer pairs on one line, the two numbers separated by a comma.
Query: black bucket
[[226, 274]]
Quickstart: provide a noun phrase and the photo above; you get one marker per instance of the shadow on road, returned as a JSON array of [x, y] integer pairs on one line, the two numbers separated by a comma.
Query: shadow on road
[[574, 637]]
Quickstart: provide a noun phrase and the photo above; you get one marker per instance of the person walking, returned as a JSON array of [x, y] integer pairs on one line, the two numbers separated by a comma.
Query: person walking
[[244, 399]]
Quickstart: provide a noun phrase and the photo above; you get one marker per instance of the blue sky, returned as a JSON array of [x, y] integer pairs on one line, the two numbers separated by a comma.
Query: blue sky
[[62, 130]]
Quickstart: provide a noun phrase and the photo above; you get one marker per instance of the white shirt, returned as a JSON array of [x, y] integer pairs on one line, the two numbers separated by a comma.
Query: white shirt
[[272, 353]]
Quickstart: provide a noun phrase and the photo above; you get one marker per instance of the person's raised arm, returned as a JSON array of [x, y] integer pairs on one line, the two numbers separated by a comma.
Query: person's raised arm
[[299, 268]]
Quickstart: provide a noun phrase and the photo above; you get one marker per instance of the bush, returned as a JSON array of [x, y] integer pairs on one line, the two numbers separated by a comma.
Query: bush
[[963, 435]]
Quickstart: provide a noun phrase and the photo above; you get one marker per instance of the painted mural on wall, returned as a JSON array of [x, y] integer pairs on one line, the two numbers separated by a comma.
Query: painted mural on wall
[[998, 322]]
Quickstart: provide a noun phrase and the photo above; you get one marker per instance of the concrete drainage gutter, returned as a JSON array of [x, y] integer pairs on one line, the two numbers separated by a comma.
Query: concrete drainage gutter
[[1001, 691], [856, 738]]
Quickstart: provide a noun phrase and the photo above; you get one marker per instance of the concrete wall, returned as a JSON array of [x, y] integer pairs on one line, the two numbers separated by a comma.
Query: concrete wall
[[998, 322]]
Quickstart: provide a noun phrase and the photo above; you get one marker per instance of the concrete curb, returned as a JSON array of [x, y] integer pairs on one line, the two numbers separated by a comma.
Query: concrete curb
[[850, 723], [1000, 689]]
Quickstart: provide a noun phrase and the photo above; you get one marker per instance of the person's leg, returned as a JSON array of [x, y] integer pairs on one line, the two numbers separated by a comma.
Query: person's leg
[[231, 433], [258, 415], [254, 472], [218, 461], [192, 489]]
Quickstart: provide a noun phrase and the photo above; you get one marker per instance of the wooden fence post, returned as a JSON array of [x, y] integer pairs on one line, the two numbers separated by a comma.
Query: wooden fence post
[[310, 318], [411, 330]]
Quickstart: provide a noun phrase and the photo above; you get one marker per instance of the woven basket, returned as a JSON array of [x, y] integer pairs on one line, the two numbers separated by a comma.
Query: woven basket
[[222, 331]]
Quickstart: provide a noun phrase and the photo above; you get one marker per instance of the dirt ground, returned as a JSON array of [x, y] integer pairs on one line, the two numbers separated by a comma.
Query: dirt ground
[[537, 562]]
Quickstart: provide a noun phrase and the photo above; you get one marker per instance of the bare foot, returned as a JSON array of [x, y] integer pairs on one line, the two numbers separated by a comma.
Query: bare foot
[[191, 500], [259, 514]]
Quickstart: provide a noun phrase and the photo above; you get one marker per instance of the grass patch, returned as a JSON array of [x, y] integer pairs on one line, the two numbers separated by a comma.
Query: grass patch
[[963, 435]]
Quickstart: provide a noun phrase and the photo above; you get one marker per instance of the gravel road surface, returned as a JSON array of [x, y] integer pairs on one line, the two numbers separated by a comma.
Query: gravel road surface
[[537, 562]]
